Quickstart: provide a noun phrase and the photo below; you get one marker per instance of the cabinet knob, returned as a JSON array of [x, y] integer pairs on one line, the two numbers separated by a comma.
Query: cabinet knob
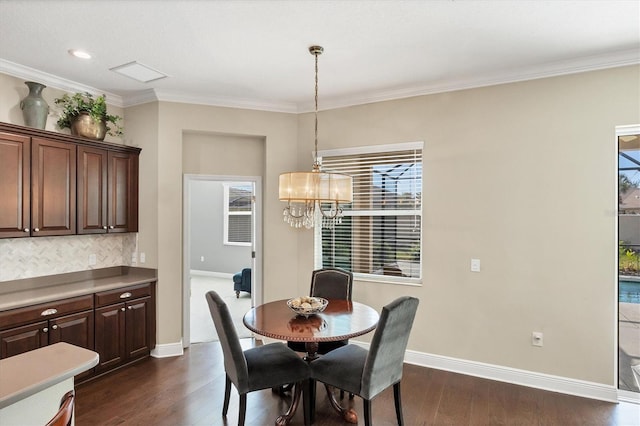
[[36, 229], [26, 229], [122, 309], [111, 226], [55, 326], [44, 330], [104, 227], [130, 307]]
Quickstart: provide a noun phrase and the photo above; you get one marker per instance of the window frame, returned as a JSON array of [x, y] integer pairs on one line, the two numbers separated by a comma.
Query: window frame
[[378, 149], [227, 213]]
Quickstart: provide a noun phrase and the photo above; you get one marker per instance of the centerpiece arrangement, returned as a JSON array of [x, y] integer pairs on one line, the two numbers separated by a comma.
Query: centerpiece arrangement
[[87, 116], [306, 305]]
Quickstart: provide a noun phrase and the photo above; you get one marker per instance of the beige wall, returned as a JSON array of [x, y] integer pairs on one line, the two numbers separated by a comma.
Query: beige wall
[[521, 176], [280, 246]]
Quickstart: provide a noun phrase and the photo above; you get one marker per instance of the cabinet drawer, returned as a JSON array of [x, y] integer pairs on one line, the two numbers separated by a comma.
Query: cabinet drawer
[[44, 311], [122, 294]]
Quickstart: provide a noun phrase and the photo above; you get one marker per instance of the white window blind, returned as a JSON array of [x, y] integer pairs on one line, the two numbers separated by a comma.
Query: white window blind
[[238, 198], [380, 233]]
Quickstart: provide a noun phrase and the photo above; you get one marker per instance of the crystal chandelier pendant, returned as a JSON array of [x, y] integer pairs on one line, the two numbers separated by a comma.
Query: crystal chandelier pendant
[[305, 192]]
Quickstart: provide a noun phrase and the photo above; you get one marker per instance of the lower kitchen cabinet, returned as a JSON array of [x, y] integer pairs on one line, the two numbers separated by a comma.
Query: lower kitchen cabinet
[[118, 324], [35, 326], [125, 325]]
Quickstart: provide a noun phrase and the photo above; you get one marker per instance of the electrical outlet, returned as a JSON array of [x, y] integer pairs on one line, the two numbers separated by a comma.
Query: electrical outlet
[[92, 259], [475, 265], [143, 258], [134, 257], [201, 258], [537, 338]]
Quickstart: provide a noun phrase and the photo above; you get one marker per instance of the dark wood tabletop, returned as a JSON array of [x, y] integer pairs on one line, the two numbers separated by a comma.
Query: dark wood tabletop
[[341, 320]]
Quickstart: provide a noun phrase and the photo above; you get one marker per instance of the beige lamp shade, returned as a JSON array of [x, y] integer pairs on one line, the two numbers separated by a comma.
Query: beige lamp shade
[[300, 187]]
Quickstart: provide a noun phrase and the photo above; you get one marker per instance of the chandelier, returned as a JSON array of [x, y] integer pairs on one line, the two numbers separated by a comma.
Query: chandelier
[[313, 198]]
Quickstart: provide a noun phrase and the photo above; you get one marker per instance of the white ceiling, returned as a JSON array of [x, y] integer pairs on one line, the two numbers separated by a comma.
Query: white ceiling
[[253, 54]]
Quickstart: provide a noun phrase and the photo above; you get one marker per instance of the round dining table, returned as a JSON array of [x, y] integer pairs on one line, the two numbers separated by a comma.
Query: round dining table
[[340, 320]]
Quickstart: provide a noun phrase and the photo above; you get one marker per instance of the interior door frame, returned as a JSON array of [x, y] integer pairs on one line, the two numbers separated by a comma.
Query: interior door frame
[[256, 273]]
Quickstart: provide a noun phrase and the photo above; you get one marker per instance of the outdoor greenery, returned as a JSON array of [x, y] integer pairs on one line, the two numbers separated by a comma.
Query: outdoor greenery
[[628, 260], [74, 105]]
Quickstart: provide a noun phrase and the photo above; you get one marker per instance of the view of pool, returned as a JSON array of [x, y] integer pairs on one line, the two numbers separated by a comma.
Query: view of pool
[[629, 291]]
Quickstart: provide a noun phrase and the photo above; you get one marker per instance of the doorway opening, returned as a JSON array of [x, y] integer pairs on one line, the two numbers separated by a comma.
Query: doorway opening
[[221, 239], [628, 139]]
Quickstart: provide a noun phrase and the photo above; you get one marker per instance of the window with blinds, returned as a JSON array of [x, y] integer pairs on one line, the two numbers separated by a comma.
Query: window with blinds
[[380, 234], [238, 220]]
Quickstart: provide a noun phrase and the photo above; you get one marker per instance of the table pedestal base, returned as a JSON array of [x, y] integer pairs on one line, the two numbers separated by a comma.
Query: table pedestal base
[[285, 418], [349, 415]]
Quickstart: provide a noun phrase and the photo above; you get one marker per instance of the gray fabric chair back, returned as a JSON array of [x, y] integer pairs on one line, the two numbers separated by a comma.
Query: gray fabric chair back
[[383, 366], [331, 283], [235, 363]]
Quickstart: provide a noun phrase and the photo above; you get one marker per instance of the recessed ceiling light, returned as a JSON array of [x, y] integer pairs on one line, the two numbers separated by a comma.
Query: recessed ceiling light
[[139, 72], [79, 54]]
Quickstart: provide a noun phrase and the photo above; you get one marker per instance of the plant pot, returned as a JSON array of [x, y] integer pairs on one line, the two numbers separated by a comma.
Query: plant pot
[[84, 125]]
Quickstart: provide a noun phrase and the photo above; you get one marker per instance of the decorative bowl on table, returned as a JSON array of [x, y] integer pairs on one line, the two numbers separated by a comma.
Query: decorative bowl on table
[[306, 305]]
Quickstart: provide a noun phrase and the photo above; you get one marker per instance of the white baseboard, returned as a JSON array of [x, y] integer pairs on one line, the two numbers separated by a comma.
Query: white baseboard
[[478, 369], [512, 375], [168, 349], [211, 274]]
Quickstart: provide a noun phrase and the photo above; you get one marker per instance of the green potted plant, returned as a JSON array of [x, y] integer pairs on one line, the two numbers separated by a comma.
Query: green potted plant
[[87, 116]]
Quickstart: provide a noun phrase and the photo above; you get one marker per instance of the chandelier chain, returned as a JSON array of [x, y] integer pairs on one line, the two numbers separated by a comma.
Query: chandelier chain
[[316, 165]]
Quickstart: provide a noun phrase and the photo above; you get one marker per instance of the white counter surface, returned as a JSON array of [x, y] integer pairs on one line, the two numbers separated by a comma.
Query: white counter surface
[[31, 372]]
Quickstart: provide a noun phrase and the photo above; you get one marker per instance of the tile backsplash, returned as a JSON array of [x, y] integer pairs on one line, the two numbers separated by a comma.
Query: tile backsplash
[[34, 257]]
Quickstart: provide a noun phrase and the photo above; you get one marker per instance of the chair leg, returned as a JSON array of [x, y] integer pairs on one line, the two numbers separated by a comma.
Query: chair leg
[[367, 411], [398, 400], [227, 396], [243, 409], [237, 294]]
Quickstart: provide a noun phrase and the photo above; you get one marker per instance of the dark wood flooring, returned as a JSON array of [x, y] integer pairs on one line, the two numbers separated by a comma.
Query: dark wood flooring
[[189, 390]]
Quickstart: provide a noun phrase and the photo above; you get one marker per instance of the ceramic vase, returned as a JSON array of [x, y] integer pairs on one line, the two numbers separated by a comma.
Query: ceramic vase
[[34, 108]]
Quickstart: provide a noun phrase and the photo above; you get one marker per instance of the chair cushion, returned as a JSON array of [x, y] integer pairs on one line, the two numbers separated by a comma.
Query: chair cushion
[[341, 368], [273, 365]]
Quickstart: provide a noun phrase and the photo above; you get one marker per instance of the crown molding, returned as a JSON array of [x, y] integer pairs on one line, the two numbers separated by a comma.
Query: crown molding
[[551, 69], [50, 80], [221, 101]]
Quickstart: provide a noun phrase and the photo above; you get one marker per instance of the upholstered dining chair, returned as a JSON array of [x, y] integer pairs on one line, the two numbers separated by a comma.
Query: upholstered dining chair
[[256, 368], [65, 413], [329, 283], [368, 372]]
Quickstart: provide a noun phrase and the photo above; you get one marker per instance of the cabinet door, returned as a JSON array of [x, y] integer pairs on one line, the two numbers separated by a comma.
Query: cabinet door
[[138, 330], [123, 192], [110, 336], [76, 329], [15, 186], [18, 340], [53, 188], [92, 190]]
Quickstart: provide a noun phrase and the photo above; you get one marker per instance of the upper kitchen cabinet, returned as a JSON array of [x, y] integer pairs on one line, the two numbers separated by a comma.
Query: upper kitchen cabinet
[[15, 186], [57, 184], [53, 188], [107, 191]]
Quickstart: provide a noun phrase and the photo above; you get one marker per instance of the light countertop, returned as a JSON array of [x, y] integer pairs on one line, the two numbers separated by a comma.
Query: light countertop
[[31, 372], [32, 291]]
